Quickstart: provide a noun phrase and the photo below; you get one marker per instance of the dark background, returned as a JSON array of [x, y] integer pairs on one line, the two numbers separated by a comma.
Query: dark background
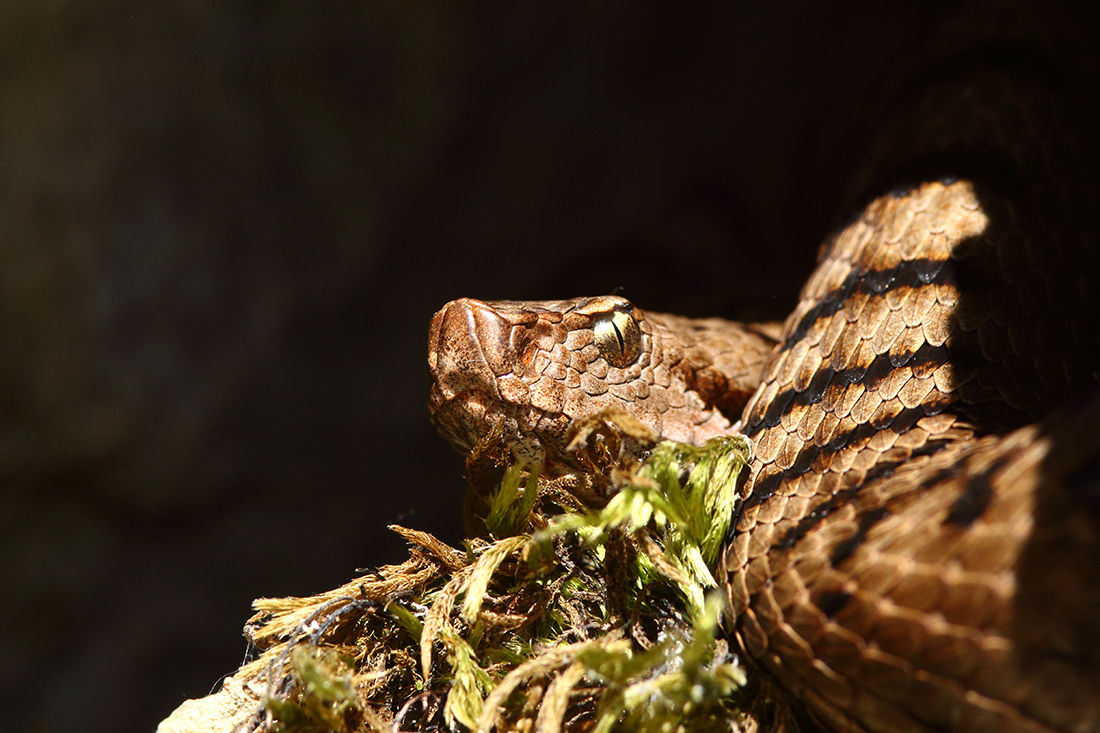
[[224, 227]]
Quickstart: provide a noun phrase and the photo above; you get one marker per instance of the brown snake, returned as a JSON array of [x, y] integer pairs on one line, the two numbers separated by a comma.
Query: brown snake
[[918, 548]]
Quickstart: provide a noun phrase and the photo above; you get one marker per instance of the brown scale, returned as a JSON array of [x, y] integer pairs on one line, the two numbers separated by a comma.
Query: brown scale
[[531, 368], [918, 548], [874, 567], [886, 564]]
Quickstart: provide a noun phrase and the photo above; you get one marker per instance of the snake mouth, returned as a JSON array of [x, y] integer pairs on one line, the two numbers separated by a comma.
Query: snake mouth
[[468, 418], [464, 418]]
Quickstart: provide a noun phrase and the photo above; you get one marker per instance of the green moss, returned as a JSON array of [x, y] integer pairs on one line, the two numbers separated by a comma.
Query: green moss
[[324, 691], [600, 619]]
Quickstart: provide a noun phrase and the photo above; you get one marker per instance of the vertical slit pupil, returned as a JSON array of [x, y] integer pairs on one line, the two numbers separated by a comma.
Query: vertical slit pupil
[[617, 338]]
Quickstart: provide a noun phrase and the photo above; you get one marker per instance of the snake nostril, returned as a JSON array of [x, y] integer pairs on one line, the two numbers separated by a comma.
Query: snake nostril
[[526, 352]]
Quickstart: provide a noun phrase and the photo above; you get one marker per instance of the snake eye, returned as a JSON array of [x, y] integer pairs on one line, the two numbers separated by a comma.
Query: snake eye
[[618, 338]]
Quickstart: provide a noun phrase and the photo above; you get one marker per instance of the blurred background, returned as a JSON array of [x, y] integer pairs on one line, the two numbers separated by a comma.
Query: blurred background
[[224, 227]]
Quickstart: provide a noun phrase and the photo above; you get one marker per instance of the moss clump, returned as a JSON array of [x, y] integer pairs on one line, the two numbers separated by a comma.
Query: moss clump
[[588, 606]]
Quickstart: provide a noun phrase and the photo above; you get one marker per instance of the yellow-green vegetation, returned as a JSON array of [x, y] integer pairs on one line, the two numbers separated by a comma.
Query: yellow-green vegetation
[[594, 615]]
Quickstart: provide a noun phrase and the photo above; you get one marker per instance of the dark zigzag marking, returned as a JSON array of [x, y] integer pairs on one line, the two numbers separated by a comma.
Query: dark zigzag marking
[[844, 549], [967, 507], [833, 602], [826, 378], [867, 520], [765, 488], [974, 500], [911, 273], [845, 496]]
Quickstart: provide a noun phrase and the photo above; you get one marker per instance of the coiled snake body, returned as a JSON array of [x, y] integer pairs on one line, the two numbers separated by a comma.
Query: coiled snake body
[[919, 541]]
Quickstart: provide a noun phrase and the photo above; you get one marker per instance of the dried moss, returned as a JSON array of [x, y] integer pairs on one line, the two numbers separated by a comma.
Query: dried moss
[[588, 606]]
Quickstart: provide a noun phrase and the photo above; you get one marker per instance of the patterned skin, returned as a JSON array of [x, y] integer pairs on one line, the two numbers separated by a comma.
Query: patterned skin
[[917, 545]]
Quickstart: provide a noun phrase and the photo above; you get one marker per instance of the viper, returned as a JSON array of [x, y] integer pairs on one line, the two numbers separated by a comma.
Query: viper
[[917, 547]]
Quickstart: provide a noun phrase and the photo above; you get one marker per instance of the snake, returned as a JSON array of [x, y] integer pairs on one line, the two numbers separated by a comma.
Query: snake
[[917, 546]]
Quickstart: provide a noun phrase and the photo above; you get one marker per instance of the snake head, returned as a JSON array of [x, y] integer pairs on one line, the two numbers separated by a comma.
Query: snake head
[[535, 366]]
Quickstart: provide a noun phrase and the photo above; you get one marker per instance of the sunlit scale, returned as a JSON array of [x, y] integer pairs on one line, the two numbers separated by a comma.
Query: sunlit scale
[[533, 367]]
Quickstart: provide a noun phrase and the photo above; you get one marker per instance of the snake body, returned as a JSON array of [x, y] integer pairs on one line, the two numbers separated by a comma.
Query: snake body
[[918, 541], [876, 568]]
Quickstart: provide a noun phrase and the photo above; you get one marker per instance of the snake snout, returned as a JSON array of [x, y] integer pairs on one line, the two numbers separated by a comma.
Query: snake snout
[[468, 348], [478, 379]]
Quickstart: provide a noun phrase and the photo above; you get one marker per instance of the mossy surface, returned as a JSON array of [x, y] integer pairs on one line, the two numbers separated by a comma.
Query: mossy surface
[[590, 605]]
